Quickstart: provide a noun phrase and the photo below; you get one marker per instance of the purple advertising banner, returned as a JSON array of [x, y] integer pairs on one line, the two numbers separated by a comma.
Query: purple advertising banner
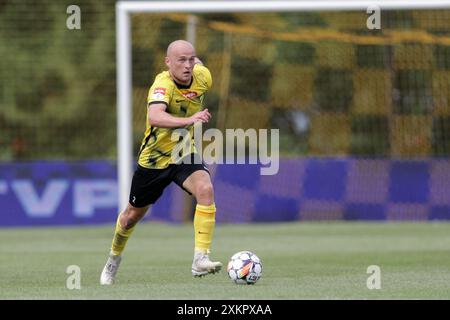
[[53, 193], [86, 192]]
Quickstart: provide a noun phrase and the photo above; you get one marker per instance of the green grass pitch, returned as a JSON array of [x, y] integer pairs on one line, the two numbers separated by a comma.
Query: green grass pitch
[[300, 261]]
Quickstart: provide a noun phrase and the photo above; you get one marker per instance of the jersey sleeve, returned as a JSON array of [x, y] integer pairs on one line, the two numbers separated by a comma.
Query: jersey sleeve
[[203, 75], [160, 91]]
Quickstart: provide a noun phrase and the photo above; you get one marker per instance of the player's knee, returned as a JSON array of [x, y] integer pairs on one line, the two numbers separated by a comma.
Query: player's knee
[[205, 191], [131, 216]]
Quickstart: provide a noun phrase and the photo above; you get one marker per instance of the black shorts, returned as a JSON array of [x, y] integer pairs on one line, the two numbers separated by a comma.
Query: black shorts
[[148, 184]]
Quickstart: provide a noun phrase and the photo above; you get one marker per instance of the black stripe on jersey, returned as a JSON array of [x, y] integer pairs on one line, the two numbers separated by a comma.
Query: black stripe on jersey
[[155, 154], [151, 161], [183, 108], [155, 102], [152, 158], [166, 154], [147, 138]]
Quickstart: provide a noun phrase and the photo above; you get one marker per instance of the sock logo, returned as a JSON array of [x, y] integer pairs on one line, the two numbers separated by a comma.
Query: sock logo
[[202, 232]]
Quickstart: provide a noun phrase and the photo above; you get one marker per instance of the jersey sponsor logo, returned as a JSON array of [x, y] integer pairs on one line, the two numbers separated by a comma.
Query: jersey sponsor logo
[[157, 96], [79, 198], [158, 93], [190, 94]]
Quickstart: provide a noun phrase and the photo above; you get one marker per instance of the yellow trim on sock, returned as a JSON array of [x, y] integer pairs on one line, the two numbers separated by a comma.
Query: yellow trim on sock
[[206, 209]]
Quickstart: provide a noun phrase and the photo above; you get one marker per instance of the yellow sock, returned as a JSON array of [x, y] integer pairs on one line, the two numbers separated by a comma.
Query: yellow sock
[[120, 239], [204, 222]]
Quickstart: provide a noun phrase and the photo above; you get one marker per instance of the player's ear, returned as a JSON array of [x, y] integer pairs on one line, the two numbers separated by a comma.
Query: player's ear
[[167, 61]]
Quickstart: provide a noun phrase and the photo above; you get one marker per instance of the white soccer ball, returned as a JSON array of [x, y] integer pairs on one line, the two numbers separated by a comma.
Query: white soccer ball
[[244, 267]]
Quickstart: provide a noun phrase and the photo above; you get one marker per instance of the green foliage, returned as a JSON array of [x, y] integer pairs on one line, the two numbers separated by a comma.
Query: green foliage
[[414, 92], [58, 90], [441, 135], [254, 78], [370, 136], [172, 30], [296, 20], [334, 89], [371, 56], [143, 70], [300, 53], [442, 57], [58, 84], [399, 19]]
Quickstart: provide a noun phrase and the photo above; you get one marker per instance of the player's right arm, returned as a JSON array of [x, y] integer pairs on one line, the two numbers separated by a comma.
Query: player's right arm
[[158, 117]]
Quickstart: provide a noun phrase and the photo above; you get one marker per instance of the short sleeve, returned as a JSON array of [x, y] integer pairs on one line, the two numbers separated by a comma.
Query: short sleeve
[[160, 91], [203, 75]]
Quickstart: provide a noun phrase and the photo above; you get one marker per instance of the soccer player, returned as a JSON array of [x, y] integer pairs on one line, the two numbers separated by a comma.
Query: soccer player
[[175, 100]]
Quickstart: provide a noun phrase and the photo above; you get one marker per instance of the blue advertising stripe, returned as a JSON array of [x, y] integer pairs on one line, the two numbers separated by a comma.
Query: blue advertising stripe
[[65, 193], [271, 209], [409, 181], [440, 213], [365, 211], [58, 193], [325, 179], [243, 175]]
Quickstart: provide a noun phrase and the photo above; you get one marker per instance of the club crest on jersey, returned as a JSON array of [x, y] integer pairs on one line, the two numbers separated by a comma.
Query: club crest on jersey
[[190, 94]]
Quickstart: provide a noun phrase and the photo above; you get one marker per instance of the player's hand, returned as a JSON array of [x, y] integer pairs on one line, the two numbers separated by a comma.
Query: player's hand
[[202, 116]]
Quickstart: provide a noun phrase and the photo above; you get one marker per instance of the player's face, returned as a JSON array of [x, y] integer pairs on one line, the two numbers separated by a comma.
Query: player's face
[[181, 63]]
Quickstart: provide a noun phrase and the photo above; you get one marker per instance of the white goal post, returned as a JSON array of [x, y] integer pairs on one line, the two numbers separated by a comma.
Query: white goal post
[[123, 50]]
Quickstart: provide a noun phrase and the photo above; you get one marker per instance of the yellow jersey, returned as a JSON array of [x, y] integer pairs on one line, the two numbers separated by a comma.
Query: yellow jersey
[[181, 101]]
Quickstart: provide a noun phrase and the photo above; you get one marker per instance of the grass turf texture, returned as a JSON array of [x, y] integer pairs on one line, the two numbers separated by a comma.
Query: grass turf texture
[[300, 261]]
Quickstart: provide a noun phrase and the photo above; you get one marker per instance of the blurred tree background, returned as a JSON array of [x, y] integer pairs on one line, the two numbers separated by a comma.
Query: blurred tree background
[[57, 97], [329, 84]]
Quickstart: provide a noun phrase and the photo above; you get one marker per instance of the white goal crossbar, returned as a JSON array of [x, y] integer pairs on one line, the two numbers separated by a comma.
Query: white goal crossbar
[[123, 50]]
